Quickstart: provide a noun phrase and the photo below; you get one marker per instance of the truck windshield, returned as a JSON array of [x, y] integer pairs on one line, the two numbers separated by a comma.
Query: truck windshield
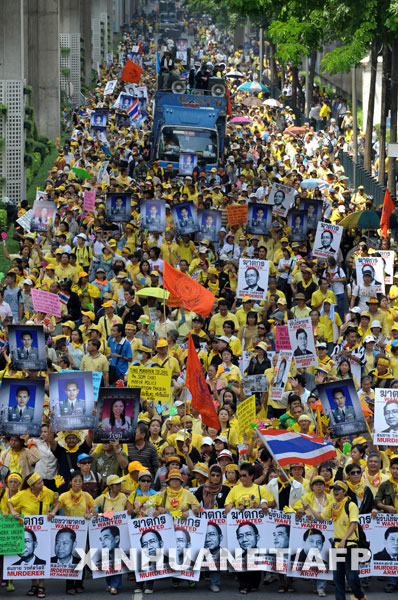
[[174, 141]]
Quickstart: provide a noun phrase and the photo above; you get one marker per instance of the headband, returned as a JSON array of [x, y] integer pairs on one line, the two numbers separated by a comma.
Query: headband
[[33, 479], [383, 361]]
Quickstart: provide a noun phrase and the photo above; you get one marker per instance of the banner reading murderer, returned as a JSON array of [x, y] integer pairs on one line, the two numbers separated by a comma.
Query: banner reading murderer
[[154, 539], [386, 417], [190, 536], [310, 542], [109, 536], [34, 561]]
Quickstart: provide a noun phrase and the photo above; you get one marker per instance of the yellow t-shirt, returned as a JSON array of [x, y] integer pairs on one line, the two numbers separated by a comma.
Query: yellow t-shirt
[[78, 507], [187, 499], [105, 502], [27, 503], [342, 522], [248, 496]]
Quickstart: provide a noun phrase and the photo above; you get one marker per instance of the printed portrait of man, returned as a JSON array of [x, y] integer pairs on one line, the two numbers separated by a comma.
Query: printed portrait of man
[[327, 241], [72, 405], [314, 540], [279, 198], [152, 216], [247, 535], [21, 412], [28, 558], [185, 221], [302, 343], [252, 277], [343, 412], [390, 550], [370, 274], [27, 351], [151, 541], [213, 540], [390, 411], [64, 546]]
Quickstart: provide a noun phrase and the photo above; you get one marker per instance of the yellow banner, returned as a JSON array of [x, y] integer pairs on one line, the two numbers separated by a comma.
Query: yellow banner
[[246, 413], [154, 382]]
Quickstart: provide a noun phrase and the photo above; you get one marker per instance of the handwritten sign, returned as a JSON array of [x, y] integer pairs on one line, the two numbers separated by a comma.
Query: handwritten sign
[[26, 219], [12, 536], [237, 215], [89, 201], [246, 413], [282, 340], [46, 302], [154, 382]]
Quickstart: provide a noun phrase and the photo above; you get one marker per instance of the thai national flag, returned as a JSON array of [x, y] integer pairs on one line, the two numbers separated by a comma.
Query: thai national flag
[[134, 111], [64, 297], [290, 447]]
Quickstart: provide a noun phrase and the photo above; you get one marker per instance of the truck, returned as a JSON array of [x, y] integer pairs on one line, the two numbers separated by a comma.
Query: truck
[[189, 124]]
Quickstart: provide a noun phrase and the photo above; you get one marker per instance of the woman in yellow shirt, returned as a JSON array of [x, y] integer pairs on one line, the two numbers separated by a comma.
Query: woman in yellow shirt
[[144, 496], [175, 497], [13, 483], [226, 430], [75, 502], [34, 499], [112, 499]]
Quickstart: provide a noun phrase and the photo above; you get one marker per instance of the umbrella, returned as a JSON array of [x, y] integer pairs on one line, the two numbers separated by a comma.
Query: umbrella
[[272, 102], [252, 101], [240, 121], [149, 292], [313, 183], [236, 74], [295, 130], [364, 219], [253, 86]]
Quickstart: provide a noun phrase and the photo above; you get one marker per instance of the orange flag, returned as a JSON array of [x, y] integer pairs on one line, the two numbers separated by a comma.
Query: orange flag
[[196, 383], [388, 209], [131, 72], [193, 296]]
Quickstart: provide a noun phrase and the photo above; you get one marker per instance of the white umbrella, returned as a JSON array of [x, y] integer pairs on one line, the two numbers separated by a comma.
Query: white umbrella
[[272, 102], [234, 74]]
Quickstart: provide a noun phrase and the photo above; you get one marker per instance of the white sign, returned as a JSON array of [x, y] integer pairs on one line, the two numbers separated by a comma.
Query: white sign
[[386, 417], [26, 219], [302, 342], [281, 197], [67, 534], [110, 87], [110, 536], [371, 270], [190, 536], [384, 543], [388, 265], [310, 545], [253, 278], [34, 562], [281, 374], [327, 240]]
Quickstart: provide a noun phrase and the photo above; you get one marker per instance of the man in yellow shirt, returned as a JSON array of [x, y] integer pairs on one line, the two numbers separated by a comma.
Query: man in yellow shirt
[[109, 319], [217, 321], [319, 296], [65, 270], [164, 359]]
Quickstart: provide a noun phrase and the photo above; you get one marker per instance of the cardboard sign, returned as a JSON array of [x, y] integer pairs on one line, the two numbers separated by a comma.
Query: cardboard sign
[[372, 269], [281, 374], [302, 342], [89, 201], [237, 215], [386, 417], [327, 240], [46, 302], [282, 340], [12, 538], [253, 278], [154, 382], [246, 413]]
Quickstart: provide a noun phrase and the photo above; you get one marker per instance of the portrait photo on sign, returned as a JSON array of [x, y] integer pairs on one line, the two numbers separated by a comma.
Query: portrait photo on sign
[[187, 163], [341, 404], [153, 215], [253, 278], [370, 271], [34, 561], [259, 218], [281, 199], [185, 218], [67, 534], [327, 240], [118, 207], [117, 414], [150, 536], [21, 406], [112, 535], [192, 539], [313, 208], [297, 221], [209, 223], [384, 543], [386, 417], [310, 543], [27, 347], [43, 215], [387, 257], [302, 342], [99, 120], [71, 400]]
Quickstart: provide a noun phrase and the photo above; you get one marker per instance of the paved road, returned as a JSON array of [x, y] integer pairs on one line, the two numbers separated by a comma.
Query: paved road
[[163, 588]]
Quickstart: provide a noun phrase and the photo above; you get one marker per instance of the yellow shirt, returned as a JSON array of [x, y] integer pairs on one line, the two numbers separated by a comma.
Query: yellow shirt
[[67, 272], [185, 500], [318, 297], [310, 498], [341, 522], [328, 323], [169, 362], [105, 502], [78, 507], [217, 321], [106, 324], [97, 363], [248, 496], [27, 503]]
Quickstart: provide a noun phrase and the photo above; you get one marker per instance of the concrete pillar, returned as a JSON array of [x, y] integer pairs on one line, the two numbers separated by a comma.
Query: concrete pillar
[[69, 20], [85, 30], [43, 68], [12, 55]]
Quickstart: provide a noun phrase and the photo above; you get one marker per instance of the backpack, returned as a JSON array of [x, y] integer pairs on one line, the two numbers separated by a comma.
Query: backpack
[[362, 541]]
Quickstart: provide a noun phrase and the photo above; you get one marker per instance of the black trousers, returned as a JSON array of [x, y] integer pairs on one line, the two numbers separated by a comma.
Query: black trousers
[[249, 580]]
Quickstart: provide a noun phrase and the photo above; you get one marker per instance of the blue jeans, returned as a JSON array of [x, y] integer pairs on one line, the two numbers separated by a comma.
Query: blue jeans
[[343, 570], [215, 578], [114, 581], [320, 585]]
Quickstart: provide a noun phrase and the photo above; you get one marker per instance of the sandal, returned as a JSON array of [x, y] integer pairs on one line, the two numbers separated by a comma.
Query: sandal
[[243, 591], [32, 591], [282, 590], [41, 592], [113, 591]]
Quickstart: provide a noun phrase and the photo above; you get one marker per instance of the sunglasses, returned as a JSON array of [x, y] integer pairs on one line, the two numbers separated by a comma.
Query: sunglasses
[[356, 472], [86, 462], [146, 480]]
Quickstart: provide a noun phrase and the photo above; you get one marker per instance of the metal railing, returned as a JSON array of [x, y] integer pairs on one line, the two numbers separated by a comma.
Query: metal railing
[[357, 175]]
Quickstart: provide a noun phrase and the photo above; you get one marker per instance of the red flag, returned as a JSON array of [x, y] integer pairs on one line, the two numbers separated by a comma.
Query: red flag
[[229, 105], [388, 209], [196, 383], [131, 72], [192, 295]]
